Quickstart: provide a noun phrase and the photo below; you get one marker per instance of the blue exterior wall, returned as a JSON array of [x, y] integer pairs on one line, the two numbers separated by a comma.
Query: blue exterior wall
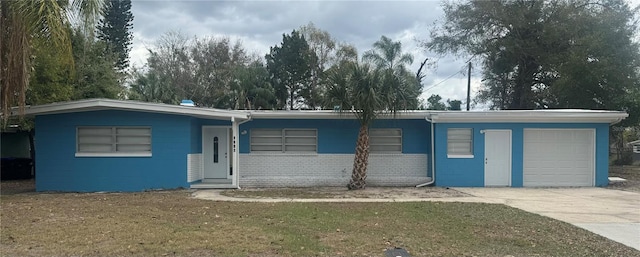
[[338, 136], [173, 137], [57, 168], [469, 172]]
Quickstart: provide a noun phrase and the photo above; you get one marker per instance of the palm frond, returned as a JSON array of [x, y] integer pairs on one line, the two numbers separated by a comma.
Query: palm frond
[[89, 12], [20, 23]]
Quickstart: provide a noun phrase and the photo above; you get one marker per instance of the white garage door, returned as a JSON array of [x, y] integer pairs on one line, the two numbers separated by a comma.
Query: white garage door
[[559, 157]]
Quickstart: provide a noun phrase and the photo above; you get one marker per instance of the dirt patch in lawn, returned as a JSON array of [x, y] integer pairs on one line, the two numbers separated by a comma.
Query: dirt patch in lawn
[[340, 192], [630, 173], [172, 223], [11, 187]]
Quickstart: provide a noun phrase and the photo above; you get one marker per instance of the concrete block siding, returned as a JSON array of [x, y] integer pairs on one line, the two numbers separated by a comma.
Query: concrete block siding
[[307, 170], [194, 167], [340, 136]]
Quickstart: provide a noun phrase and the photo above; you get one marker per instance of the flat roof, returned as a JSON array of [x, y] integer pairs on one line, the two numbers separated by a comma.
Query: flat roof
[[502, 116], [530, 116], [506, 116], [110, 104]]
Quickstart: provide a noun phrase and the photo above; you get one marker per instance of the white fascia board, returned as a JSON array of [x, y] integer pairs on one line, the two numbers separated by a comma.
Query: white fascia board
[[530, 116], [329, 114], [109, 104]]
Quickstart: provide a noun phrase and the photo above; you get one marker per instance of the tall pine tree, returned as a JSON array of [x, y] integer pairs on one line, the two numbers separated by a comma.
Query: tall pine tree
[[290, 66], [115, 30]]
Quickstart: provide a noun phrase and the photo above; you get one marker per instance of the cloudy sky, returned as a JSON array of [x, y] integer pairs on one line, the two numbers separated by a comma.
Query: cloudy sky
[[260, 24]]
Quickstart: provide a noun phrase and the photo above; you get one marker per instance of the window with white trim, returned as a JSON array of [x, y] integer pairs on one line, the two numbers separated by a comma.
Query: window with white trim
[[636, 148], [113, 141], [385, 140], [284, 140], [459, 142]]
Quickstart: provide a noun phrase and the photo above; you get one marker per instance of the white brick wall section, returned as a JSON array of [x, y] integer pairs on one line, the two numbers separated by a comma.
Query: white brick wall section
[[309, 170], [194, 167]]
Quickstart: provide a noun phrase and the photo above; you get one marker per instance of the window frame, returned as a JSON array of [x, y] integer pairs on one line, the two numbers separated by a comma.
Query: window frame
[[283, 141], [468, 154], [635, 148], [387, 144], [114, 142]]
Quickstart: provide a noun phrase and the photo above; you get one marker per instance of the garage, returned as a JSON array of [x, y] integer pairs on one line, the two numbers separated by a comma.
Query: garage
[[559, 157]]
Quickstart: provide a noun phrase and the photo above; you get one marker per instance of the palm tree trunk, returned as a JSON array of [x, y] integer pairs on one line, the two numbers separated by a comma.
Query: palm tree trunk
[[359, 173], [15, 65]]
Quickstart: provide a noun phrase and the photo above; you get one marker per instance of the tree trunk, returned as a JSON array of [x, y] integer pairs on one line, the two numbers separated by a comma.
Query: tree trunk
[[359, 173], [291, 100], [522, 94]]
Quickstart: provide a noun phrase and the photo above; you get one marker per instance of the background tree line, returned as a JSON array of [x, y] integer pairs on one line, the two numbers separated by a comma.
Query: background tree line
[[556, 54], [215, 72], [548, 54]]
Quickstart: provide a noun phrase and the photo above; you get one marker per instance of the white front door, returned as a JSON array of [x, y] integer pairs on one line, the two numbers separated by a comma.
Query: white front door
[[215, 152], [497, 157]]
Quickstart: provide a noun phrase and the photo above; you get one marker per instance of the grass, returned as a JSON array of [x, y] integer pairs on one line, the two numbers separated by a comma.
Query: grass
[[171, 223]]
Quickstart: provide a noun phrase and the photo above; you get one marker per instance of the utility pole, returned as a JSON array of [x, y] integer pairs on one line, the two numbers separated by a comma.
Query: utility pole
[[469, 87]]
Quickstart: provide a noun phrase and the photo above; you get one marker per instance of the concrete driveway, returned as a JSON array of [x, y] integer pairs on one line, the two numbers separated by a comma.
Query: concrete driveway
[[613, 214]]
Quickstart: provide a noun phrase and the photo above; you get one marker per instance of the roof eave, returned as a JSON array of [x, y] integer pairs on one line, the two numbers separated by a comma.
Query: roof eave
[[611, 117], [108, 104]]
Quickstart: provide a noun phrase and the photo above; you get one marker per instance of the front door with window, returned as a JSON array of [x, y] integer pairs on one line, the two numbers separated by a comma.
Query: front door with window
[[497, 158], [215, 152]]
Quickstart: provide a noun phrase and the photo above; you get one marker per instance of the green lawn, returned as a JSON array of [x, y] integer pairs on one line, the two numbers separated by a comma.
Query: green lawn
[[171, 223]]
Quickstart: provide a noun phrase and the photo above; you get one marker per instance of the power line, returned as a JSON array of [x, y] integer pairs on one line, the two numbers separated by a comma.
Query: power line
[[450, 76]]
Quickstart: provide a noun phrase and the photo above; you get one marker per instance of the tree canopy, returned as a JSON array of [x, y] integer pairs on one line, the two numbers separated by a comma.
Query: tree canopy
[[95, 73], [290, 65], [114, 28], [212, 71], [322, 48], [434, 102], [387, 56], [22, 24], [547, 54]]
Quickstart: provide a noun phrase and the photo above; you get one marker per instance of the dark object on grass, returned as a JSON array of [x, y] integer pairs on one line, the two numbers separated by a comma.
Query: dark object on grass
[[396, 252], [16, 150], [16, 168]]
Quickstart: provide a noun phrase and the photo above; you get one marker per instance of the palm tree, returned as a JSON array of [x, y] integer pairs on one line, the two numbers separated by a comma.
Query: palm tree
[[22, 22], [371, 92], [387, 56], [357, 86]]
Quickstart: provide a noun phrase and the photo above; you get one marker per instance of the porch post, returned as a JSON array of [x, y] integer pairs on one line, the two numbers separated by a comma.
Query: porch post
[[234, 151]]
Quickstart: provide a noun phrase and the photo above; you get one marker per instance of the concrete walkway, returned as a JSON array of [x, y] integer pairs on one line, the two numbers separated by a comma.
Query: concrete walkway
[[610, 213]]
